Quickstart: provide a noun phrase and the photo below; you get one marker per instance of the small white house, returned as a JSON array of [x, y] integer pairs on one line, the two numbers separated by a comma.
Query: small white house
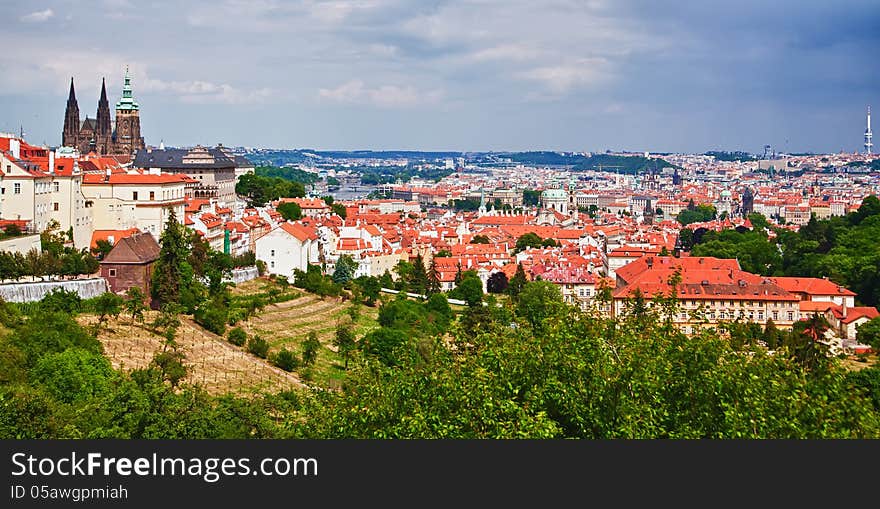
[[288, 247]]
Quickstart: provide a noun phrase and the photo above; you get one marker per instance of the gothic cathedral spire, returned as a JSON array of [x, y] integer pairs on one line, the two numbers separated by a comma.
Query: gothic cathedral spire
[[71, 120], [103, 129]]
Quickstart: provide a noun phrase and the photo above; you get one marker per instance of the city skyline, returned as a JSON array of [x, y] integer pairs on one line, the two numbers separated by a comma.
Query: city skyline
[[461, 76]]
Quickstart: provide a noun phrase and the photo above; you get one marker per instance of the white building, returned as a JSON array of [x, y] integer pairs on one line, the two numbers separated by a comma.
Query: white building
[[288, 247], [134, 200]]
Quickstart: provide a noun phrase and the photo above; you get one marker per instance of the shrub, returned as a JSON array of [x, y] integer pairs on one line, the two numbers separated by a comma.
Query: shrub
[[237, 336], [212, 318], [285, 359], [258, 346]]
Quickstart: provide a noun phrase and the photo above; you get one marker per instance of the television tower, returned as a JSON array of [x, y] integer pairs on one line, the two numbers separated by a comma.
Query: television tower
[[868, 134]]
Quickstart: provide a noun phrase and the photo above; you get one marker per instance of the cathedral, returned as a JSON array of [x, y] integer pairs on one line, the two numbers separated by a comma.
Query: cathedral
[[102, 134]]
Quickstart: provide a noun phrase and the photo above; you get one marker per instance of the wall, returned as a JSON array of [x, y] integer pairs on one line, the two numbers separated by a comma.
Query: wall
[[31, 292], [21, 244]]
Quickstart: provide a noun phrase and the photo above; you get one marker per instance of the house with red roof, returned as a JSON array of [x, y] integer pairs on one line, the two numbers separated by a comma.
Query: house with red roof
[[288, 247], [817, 289], [26, 190], [710, 291], [134, 200]]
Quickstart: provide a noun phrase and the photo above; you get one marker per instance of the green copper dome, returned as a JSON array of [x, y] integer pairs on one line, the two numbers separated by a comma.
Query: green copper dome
[[127, 102], [554, 194]]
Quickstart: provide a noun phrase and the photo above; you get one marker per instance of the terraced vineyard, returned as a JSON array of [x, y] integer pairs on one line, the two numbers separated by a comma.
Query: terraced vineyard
[[221, 367], [287, 324], [212, 362]]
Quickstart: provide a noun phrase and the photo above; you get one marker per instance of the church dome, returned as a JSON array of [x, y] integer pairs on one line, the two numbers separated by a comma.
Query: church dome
[[554, 194]]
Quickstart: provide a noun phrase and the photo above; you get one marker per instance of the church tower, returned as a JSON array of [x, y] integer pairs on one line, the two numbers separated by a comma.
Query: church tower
[[127, 137], [103, 129], [71, 120]]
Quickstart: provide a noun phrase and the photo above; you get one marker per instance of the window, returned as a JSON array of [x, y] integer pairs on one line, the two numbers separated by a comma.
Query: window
[[791, 316], [16, 188], [152, 195], [55, 206], [111, 272], [272, 253], [134, 195], [272, 264], [57, 186]]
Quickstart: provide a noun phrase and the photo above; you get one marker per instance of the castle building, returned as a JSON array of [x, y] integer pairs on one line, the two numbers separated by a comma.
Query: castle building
[[102, 134]]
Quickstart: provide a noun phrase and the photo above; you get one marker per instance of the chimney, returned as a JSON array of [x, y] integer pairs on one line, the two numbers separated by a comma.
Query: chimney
[[107, 174], [51, 161], [15, 147]]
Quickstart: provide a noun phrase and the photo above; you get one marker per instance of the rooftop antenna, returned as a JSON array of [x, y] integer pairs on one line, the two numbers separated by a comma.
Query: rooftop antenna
[[868, 134]]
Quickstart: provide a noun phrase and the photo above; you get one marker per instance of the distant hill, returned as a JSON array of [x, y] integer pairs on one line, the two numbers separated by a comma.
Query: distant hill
[[575, 161]]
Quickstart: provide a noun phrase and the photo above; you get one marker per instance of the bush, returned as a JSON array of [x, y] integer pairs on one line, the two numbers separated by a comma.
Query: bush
[[258, 346], [212, 318], [237, 336], [61, 300], [285, 359]]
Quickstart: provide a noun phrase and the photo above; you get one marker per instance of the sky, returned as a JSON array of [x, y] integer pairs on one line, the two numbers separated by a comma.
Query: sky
[[463, 75]]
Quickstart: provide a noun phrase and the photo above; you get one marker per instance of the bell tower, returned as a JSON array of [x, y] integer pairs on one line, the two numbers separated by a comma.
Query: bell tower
[[127, 138]]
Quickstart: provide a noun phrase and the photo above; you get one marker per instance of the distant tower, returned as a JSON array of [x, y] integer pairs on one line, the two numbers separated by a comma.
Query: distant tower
[[676, 178], [127, 137], [71, 120], [748, 202], [103, 130], [869, 135], [482, 210]]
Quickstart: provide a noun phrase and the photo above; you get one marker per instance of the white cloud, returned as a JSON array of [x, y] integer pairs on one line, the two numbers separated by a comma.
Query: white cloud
[[515, 52], [386, 96], [562, 78], [38, 17]]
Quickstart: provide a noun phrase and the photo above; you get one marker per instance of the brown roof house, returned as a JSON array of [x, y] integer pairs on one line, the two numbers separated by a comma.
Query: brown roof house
[[130, 263]]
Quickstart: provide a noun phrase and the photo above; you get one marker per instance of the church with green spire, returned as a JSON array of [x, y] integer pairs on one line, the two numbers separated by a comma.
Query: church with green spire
[[102, 135]]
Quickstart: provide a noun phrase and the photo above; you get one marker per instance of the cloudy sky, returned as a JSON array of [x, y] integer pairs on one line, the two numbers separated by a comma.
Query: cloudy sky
[[579, 75]]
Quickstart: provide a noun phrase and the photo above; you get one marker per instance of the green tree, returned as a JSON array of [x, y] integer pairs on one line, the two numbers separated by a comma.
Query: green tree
[[345, 269], [339, 210], [103, 248], [480, 239], [869, 333], [106, 305], [74, 374], [285, 359], [517, 282], [384, 343], [310, 348], [237, 336], [134, 303], [290, 211], [469, 290], [344, 341], [528, 240], [418, 278], [170, 362], [531, 198], [172, 270], [538, 301], [771, 336], [699, 214], [258, 346]]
